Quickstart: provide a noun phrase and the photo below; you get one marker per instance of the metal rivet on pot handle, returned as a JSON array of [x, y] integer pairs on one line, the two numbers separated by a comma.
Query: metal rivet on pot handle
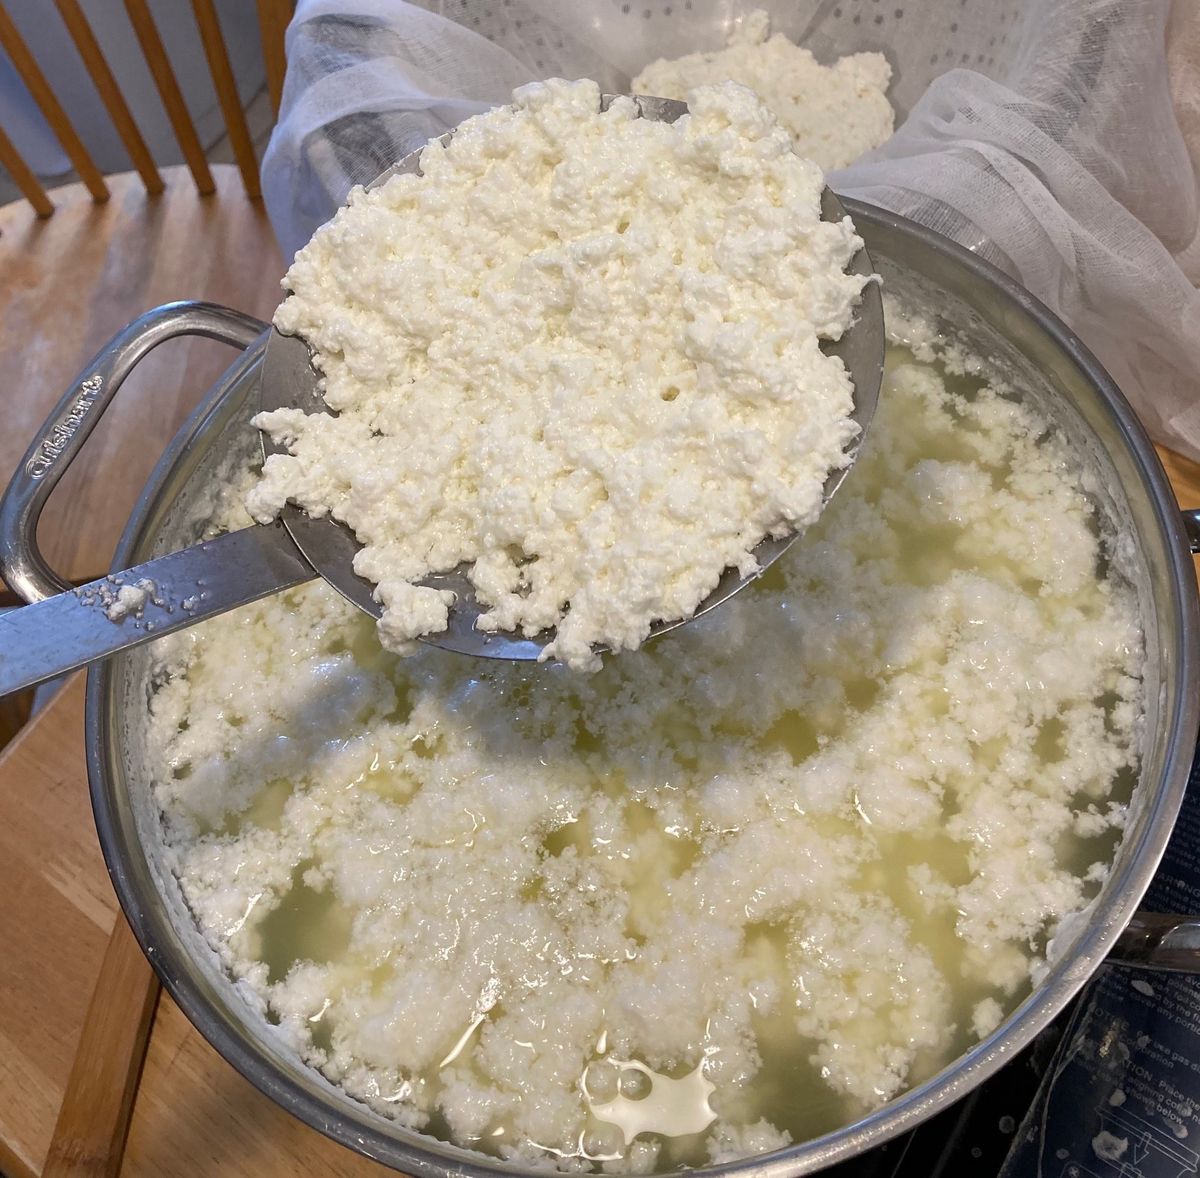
[[73, 419]]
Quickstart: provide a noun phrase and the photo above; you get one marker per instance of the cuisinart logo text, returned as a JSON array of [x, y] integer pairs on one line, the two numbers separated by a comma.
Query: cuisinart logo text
[[63, 430]]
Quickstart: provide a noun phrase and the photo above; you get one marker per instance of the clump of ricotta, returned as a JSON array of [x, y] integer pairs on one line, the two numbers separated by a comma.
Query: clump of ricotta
[[581, 353], [834, 113]]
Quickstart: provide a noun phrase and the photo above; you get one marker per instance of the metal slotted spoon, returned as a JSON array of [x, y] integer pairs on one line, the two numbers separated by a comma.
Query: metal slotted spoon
[[67, 627]]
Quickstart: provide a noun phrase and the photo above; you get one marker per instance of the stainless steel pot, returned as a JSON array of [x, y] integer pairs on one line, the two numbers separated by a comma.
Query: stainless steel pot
[[1024, 344]]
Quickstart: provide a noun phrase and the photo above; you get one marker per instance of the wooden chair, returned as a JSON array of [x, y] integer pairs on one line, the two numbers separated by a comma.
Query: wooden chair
[[273, 16]]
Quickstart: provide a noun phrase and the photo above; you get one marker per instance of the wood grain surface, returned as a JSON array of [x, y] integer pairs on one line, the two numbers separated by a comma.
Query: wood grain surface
[[93, 1118], [73, 281]]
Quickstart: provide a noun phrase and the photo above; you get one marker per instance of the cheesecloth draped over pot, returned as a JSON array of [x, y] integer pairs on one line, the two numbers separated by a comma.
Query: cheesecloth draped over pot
[[1052, 136]]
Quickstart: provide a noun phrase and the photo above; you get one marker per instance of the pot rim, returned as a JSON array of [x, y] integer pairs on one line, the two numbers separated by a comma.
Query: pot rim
[[363, 1131]]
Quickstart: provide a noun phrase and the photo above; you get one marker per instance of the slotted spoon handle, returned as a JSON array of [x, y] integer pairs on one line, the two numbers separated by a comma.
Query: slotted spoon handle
[[62, 633]]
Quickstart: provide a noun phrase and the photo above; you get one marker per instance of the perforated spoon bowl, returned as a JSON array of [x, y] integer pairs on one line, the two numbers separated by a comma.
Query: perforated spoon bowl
[[66, 627], [289, 380]]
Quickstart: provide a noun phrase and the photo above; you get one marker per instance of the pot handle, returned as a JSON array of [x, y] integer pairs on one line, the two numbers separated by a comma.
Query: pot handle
[[73, 419], [1159, 940]]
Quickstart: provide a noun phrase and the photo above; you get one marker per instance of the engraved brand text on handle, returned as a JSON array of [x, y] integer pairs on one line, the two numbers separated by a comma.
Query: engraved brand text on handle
[[63, 430]]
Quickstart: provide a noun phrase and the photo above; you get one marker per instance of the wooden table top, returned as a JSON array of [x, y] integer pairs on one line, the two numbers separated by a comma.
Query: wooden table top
[[193, 1115]]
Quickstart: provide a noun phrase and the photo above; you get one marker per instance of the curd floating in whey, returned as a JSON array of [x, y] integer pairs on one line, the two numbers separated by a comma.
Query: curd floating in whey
[[734, 890], [581, 354]]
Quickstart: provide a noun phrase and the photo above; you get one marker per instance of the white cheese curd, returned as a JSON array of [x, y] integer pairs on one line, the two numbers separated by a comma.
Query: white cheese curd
[[730, 892], [119, 599], [580, 352], [130, 599], [834, 113]]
